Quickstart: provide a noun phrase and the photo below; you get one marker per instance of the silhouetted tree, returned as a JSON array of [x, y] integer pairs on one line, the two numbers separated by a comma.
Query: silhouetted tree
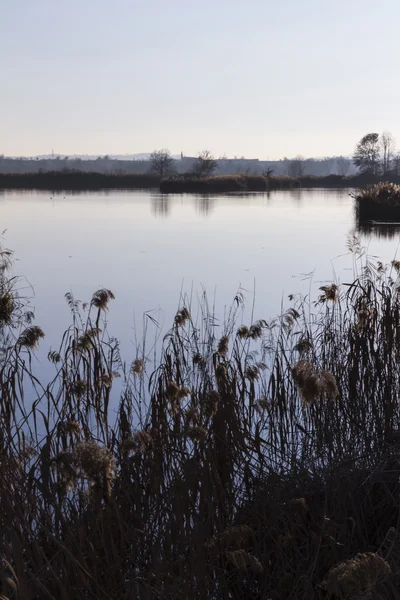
[[328, 162], [161, 162], [296, 166], [342, 165], [367, 156], [205, 164], [388, 147]]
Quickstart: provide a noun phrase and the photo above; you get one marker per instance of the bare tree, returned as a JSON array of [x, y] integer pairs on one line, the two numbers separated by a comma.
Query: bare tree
[[328, 162], [297, 166], [342, 165], [267, 171], [367, 154], [396, 164], [205, 164], [388, 148], [161, 162]]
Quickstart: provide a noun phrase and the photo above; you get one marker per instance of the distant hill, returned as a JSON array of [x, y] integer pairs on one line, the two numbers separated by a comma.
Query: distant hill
[[139, 156]]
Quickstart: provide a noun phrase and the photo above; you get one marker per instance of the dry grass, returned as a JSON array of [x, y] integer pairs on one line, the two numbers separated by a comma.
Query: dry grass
[[258, 462]]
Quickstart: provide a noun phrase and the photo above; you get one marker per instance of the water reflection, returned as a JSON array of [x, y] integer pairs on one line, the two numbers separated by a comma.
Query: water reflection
[[160, 206], [215, 242], [378, 230], [296, 195], [204, 205]]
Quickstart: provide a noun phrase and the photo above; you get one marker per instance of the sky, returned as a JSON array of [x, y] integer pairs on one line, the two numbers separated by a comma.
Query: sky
[[262, 78]]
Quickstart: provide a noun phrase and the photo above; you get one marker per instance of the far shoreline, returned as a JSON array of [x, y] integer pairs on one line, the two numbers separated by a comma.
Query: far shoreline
[[181, 184]]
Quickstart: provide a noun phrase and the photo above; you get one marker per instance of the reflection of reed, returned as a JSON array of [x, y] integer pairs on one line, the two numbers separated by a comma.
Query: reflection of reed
[[160, 205], [378, 230], [204, 204]]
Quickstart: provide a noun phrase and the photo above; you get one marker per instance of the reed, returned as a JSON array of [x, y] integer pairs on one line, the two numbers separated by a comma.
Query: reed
[[188, 183], [379, 202], [77, 180], [217, 184], [258, 460]]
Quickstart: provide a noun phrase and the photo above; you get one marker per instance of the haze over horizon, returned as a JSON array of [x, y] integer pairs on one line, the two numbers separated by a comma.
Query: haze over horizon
[[262, 79]]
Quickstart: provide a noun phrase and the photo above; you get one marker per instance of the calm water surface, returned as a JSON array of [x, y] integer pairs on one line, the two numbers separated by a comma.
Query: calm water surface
[[148, 248]]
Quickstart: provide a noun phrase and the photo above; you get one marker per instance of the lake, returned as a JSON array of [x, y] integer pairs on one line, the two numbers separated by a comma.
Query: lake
[[149, 249]]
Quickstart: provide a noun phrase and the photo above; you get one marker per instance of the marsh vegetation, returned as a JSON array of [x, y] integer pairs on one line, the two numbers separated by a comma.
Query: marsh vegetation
[[380, 202], [253, 460]]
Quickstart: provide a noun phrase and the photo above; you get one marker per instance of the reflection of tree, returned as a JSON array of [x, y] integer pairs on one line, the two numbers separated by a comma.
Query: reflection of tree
[[296, 194], [160, 205], [204, 204], [378, 230]]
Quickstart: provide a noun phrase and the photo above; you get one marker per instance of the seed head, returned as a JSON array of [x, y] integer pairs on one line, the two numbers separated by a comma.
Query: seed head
[[357, 575], [141, 442], [191, 417], [183, 393], [237, 536], [396, 265], [243, 561], [312, 384], [255, 331], [79, 388], [243, 332], [7, 306], [223, 346], [107, 379], [69, 427], [303, 346], [328, 385], [263, 404], [137, 367], [330, 293], [27, 452], [65, 464], [182, 316], [97, 464], [85, 341], [210, 403], [172, 390], [221, 373], [30, 337], [101, 298], [298, 508], [199, 360], [252, 373], [197, 434]]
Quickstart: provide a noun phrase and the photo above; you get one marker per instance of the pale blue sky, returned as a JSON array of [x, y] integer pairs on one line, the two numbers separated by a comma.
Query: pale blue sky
[[259, 78]]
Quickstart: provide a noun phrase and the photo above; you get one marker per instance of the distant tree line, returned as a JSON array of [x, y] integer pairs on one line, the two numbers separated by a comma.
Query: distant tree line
[[205, 164], [300, 166], [162, 163], [374, 155]]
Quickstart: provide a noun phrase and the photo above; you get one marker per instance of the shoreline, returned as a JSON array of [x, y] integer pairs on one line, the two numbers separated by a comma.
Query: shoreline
[[80, 181]]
